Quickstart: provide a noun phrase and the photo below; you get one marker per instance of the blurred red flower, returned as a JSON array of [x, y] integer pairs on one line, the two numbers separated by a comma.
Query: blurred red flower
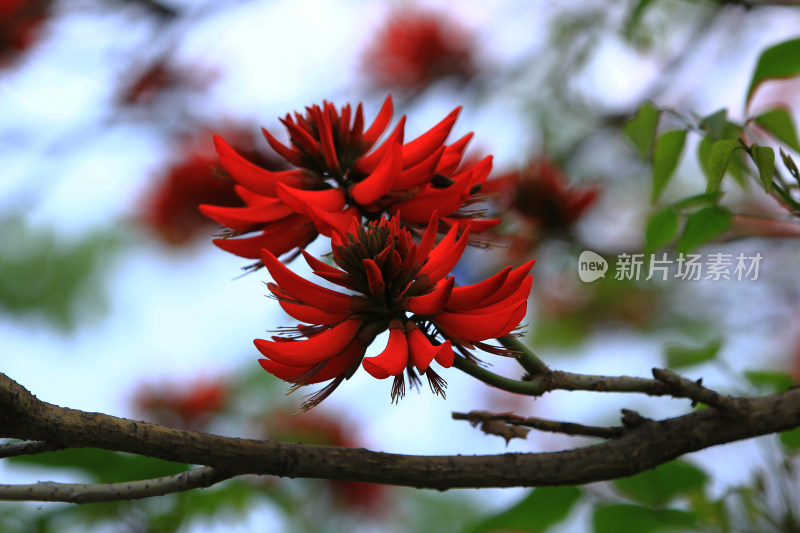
[[415, 48], [542, 198], [325, 429], [184, 406], [161, 78], [339, 176], [171, 207], [400, 286], [20, 22]]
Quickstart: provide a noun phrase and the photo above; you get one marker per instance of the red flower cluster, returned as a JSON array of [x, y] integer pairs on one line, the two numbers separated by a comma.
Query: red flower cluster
[[161, 78], [171, 208], [189, 407], [19, 25], [341, 174], [400, 286], [544, 202], [415, 48]]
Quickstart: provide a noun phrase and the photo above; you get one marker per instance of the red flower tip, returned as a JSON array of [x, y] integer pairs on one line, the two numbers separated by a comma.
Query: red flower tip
[[397, 285]]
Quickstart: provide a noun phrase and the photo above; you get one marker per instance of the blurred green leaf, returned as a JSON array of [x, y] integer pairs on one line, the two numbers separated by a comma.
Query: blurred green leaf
[[642, 129], [635, 16], [790, 165], [791, 439], [706, 198], [662, 484], [779, 123], [102, 465], [41, 275], [703, 226], [718, 159], [764, 158], [771, 380], [779, 61], [683, 356], [619, 518], [666, 155], [716, 123], [661, 229], [542, 508]]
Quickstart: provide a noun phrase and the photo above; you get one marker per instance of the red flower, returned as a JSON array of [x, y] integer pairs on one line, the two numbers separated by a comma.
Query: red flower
[[415, 48], [161, 78], [540, 193], [400, 286], [20, 21], [190, 406], [172, 207], [340, 175]]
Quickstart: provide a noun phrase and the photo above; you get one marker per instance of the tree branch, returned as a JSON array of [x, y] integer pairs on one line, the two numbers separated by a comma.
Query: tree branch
[[13, 449], [567, 428], [643, 445], [49, 491]]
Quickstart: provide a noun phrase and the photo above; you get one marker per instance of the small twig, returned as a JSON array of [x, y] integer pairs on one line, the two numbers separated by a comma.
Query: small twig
[[49, 491], [28, 447], [527, 359], [567, 428], [695, 391]]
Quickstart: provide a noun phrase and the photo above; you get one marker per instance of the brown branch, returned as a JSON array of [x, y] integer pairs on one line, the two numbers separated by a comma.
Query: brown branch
[[13, 449], [567, 428], [643, 445], [695, 391], [50, 491]]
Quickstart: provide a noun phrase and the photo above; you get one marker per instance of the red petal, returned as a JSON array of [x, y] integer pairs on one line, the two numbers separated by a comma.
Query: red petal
[[328, 222], [471, 296], [422, 352], [381, 180], [519, 294], [310, 314], [368, 163], [284, 151], [433, 302], [476, 225], [515, 279], [301, 138], [252, 176], [445, 255], [392, 360], [424, 145], [328, 150], [429, 237], [308, 375], [421, 173], [419, 208], [300, 199], [374, 278], [480, 327], [318, 348], [445, 355], [279, 237], [379, 124], [303, 290], [452, 155], [242, 217]]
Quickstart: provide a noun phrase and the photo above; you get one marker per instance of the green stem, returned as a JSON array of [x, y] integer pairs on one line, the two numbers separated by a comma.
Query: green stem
[[532, 364], [530, 388]]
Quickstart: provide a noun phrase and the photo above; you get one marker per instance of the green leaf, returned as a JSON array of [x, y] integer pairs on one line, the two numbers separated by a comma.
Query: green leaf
[[716, 123], [542, 508], [617, 518], [642, 129], [666, 155], [662, 484], [703, 226], [718, 159], [706, 198], [661, 229], [764, 158], [790, 165], [771, 380], [780, 61], [683, 356], [779, 123], [791, 439]]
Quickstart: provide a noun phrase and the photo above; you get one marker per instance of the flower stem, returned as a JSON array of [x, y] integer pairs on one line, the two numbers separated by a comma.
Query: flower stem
[[530, 388], [532, 364]]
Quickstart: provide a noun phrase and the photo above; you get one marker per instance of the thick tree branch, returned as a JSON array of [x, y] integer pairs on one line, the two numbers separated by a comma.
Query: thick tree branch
[[642, 446], [49, 491]]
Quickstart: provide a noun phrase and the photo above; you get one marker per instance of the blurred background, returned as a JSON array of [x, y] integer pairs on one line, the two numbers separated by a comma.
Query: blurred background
[[113, 298]]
